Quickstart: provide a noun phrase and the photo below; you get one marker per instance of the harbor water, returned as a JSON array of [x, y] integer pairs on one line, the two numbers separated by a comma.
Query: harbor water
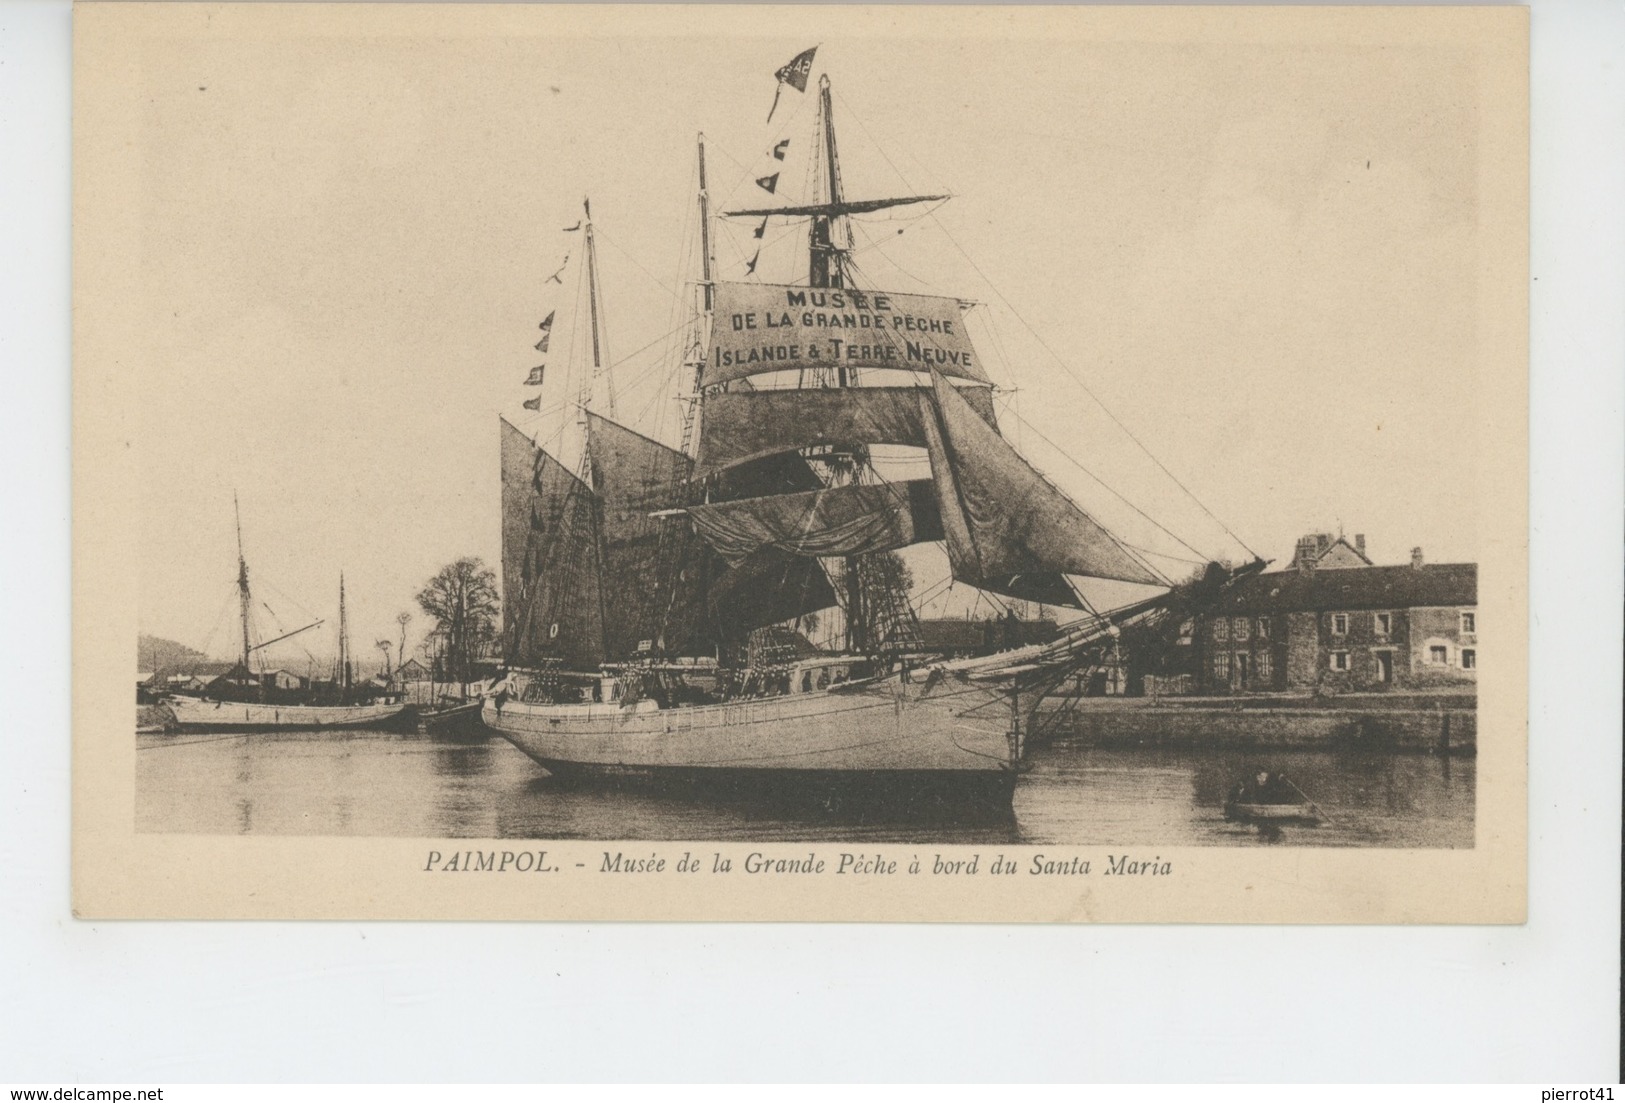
[[388, 784]]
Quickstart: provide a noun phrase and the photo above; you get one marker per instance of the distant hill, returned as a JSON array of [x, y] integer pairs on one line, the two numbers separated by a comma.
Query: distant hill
[[155, 652]]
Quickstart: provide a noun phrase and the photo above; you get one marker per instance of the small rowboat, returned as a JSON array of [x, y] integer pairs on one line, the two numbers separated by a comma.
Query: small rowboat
[[1304, 812], [462, 718]]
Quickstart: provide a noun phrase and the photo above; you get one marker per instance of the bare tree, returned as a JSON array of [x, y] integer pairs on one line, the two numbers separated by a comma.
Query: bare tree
[[402, 619], [462, 599], [386, 647]]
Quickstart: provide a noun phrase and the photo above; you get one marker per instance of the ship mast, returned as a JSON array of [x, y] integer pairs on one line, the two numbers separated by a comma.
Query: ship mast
[[595, 322], [708, 293], [244, 601], [826, 268], [588, 383], [344, 639]]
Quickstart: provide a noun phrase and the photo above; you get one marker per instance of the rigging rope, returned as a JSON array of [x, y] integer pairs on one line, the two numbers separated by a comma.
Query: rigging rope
[[598, 231], [1113, 491], [891, 338], [1165, 555], [226, 602], [1066, 367], [1078, 379]]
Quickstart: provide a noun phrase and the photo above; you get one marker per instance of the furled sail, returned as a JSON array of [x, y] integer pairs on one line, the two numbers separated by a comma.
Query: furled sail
[[835, 521], [832, 210], [746, 425], [551, 600], [1002, 519], [763, 327]]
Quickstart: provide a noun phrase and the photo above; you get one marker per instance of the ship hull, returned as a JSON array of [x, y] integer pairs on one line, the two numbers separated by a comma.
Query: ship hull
[[457, 720], [893, 742], [202, 715]]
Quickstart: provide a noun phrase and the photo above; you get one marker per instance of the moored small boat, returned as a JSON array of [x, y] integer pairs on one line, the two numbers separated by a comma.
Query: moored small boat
[[262, 702], [1270, 797], [201, 714], [462, 717]]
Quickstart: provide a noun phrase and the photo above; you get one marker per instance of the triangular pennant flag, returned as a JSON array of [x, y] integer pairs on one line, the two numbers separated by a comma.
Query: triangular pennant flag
[[541, 346], [751, 267], [533, 403], [760, 230], [535, 378], [778, 150], [547, 322], [768, 184], [794, 74]]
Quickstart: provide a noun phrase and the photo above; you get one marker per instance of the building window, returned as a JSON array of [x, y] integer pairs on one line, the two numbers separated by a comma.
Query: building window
[[1241, 668], [1221, 628], [1383, 623], [1265, 668], [1263, 628], [1439, 654], [1340, 624], [1469, 624], [1469, 658], [1340, 660], [1221, 668], [1186, 630], [1239, 630]]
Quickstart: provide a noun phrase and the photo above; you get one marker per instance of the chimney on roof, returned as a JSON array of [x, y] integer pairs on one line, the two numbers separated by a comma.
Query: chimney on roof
[[1416, 559], [1359, 543], [1304, 558]]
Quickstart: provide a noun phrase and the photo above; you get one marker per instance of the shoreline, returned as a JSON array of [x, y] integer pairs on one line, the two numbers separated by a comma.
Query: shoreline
[[1427, 723]]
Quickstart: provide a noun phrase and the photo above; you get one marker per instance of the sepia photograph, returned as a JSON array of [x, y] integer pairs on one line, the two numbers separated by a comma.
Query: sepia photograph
[[965, 459]]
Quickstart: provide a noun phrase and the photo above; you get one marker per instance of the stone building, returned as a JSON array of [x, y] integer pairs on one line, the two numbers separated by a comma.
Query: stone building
[[1334, 622]]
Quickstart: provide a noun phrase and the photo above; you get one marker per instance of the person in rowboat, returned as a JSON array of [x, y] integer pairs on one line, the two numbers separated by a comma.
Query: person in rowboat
[[1267, 787]]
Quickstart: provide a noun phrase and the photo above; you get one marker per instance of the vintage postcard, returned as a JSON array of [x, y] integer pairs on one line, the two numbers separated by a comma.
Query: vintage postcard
[[748, 463]]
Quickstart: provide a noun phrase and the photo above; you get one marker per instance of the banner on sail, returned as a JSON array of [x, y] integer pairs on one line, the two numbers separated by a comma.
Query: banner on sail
[[772, 327]]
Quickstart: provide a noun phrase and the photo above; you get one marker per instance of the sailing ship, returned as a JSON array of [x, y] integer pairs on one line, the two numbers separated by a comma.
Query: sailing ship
[[653, 595], [249, 707]]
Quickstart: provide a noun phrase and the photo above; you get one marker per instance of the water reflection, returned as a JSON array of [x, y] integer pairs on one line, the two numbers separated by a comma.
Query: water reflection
[[387, 784]]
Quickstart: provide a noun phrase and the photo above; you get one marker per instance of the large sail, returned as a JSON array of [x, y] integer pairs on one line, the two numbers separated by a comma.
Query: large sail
[[776, 473], [551, 602], [774, 327], [666, 590], [634, 476], [746, 425], [835, 521], [1004, 520], [766, 588]]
